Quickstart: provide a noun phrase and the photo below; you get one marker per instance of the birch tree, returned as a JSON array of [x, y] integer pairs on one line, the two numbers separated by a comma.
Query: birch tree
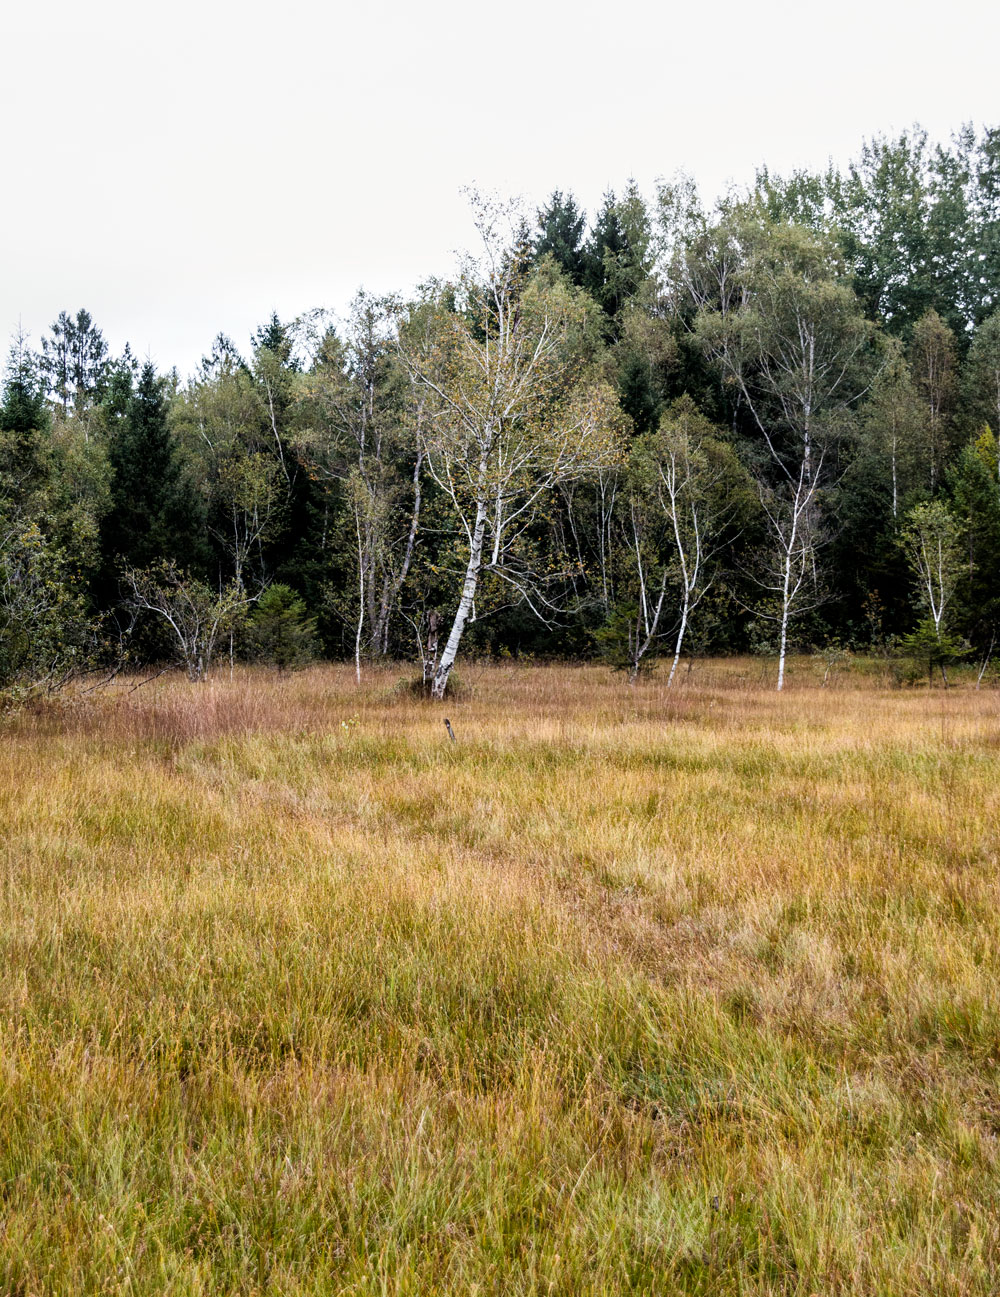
[[791, 342], [517, 410], [685, 491], [931, 541], [361, 421], [893, 420]]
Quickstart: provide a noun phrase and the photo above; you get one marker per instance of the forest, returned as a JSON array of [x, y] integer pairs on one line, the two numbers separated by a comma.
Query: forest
[[663, 429]]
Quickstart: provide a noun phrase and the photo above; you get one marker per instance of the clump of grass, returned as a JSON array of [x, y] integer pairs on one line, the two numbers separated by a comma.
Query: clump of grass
[[419, 687], [630, 990]]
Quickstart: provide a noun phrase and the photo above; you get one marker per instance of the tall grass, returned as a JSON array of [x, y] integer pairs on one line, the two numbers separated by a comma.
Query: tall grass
[[626, 991]]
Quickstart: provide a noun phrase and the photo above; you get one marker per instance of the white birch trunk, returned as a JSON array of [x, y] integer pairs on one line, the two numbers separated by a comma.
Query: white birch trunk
[[785, 607], [680, 640], [361, 601], [464, 604]]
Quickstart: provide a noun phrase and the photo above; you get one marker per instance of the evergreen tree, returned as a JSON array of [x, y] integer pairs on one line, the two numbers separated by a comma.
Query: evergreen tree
[[272, 337], [281, 632], [561, 224], [23, 409], [74, 361], [155, 514], [23, 416], [617, 254]]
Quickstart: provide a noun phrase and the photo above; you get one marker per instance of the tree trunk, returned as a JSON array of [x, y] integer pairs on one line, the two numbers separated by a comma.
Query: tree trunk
[[361, 603], [464, 604], [784, 621], [680, 641], [431, 651]]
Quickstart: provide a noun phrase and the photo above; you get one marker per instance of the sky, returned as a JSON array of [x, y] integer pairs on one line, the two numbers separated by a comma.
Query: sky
[[184, 169]]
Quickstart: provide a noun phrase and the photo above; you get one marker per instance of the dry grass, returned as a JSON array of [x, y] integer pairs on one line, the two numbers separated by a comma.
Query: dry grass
[[626, 991]]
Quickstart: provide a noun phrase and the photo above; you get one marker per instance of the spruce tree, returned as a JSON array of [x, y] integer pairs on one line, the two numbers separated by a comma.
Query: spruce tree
[[23, 416], [616, 256], [155, 515], [74, 360], [561, 225]]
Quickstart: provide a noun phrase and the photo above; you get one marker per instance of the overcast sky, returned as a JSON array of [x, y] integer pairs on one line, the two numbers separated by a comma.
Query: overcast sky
[[185, 168]]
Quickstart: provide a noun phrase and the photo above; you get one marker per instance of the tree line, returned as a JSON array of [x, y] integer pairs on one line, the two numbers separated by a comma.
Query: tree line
[[765, 424]]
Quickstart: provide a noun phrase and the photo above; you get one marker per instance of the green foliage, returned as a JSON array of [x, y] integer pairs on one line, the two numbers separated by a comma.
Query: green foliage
[[934, 363], [617, 256], [23, 409], [931, 540], [74, 361], [918, 224], [841, 326], [617, 640], [561, 226], [154, 513], [982, 374], [46, 635], [976, 494], [193, 616], [280, 630], [930, 647]]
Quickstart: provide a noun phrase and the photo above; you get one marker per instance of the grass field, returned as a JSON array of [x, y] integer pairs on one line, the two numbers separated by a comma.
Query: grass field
[[626, 991]]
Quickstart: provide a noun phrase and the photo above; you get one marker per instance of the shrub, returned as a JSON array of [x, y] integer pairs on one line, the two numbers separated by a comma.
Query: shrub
[[929, 648], [280, 631]]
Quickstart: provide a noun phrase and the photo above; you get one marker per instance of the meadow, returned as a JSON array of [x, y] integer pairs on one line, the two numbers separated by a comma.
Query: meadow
[[627, 990]]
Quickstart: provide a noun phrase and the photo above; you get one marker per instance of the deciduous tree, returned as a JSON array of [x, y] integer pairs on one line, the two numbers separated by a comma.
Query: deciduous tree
[[518, 409], [792, 342], [685, 489]]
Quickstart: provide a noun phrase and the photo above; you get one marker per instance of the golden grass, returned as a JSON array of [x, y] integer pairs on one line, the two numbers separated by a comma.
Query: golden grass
[[628, 990]]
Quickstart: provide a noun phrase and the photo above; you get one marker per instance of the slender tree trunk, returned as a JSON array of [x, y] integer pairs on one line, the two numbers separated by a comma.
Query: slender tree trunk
[[431, 651], [464, 604], [361, 603], [635, 649], [391, 586], [680, 639], [986, 660], [784, 618]]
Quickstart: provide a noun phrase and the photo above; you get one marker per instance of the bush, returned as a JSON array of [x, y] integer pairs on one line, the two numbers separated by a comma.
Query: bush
[[616, 645], [928, 649]]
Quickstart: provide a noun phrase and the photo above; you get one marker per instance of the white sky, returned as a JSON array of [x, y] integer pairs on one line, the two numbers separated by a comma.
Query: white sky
[[181, 169]]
